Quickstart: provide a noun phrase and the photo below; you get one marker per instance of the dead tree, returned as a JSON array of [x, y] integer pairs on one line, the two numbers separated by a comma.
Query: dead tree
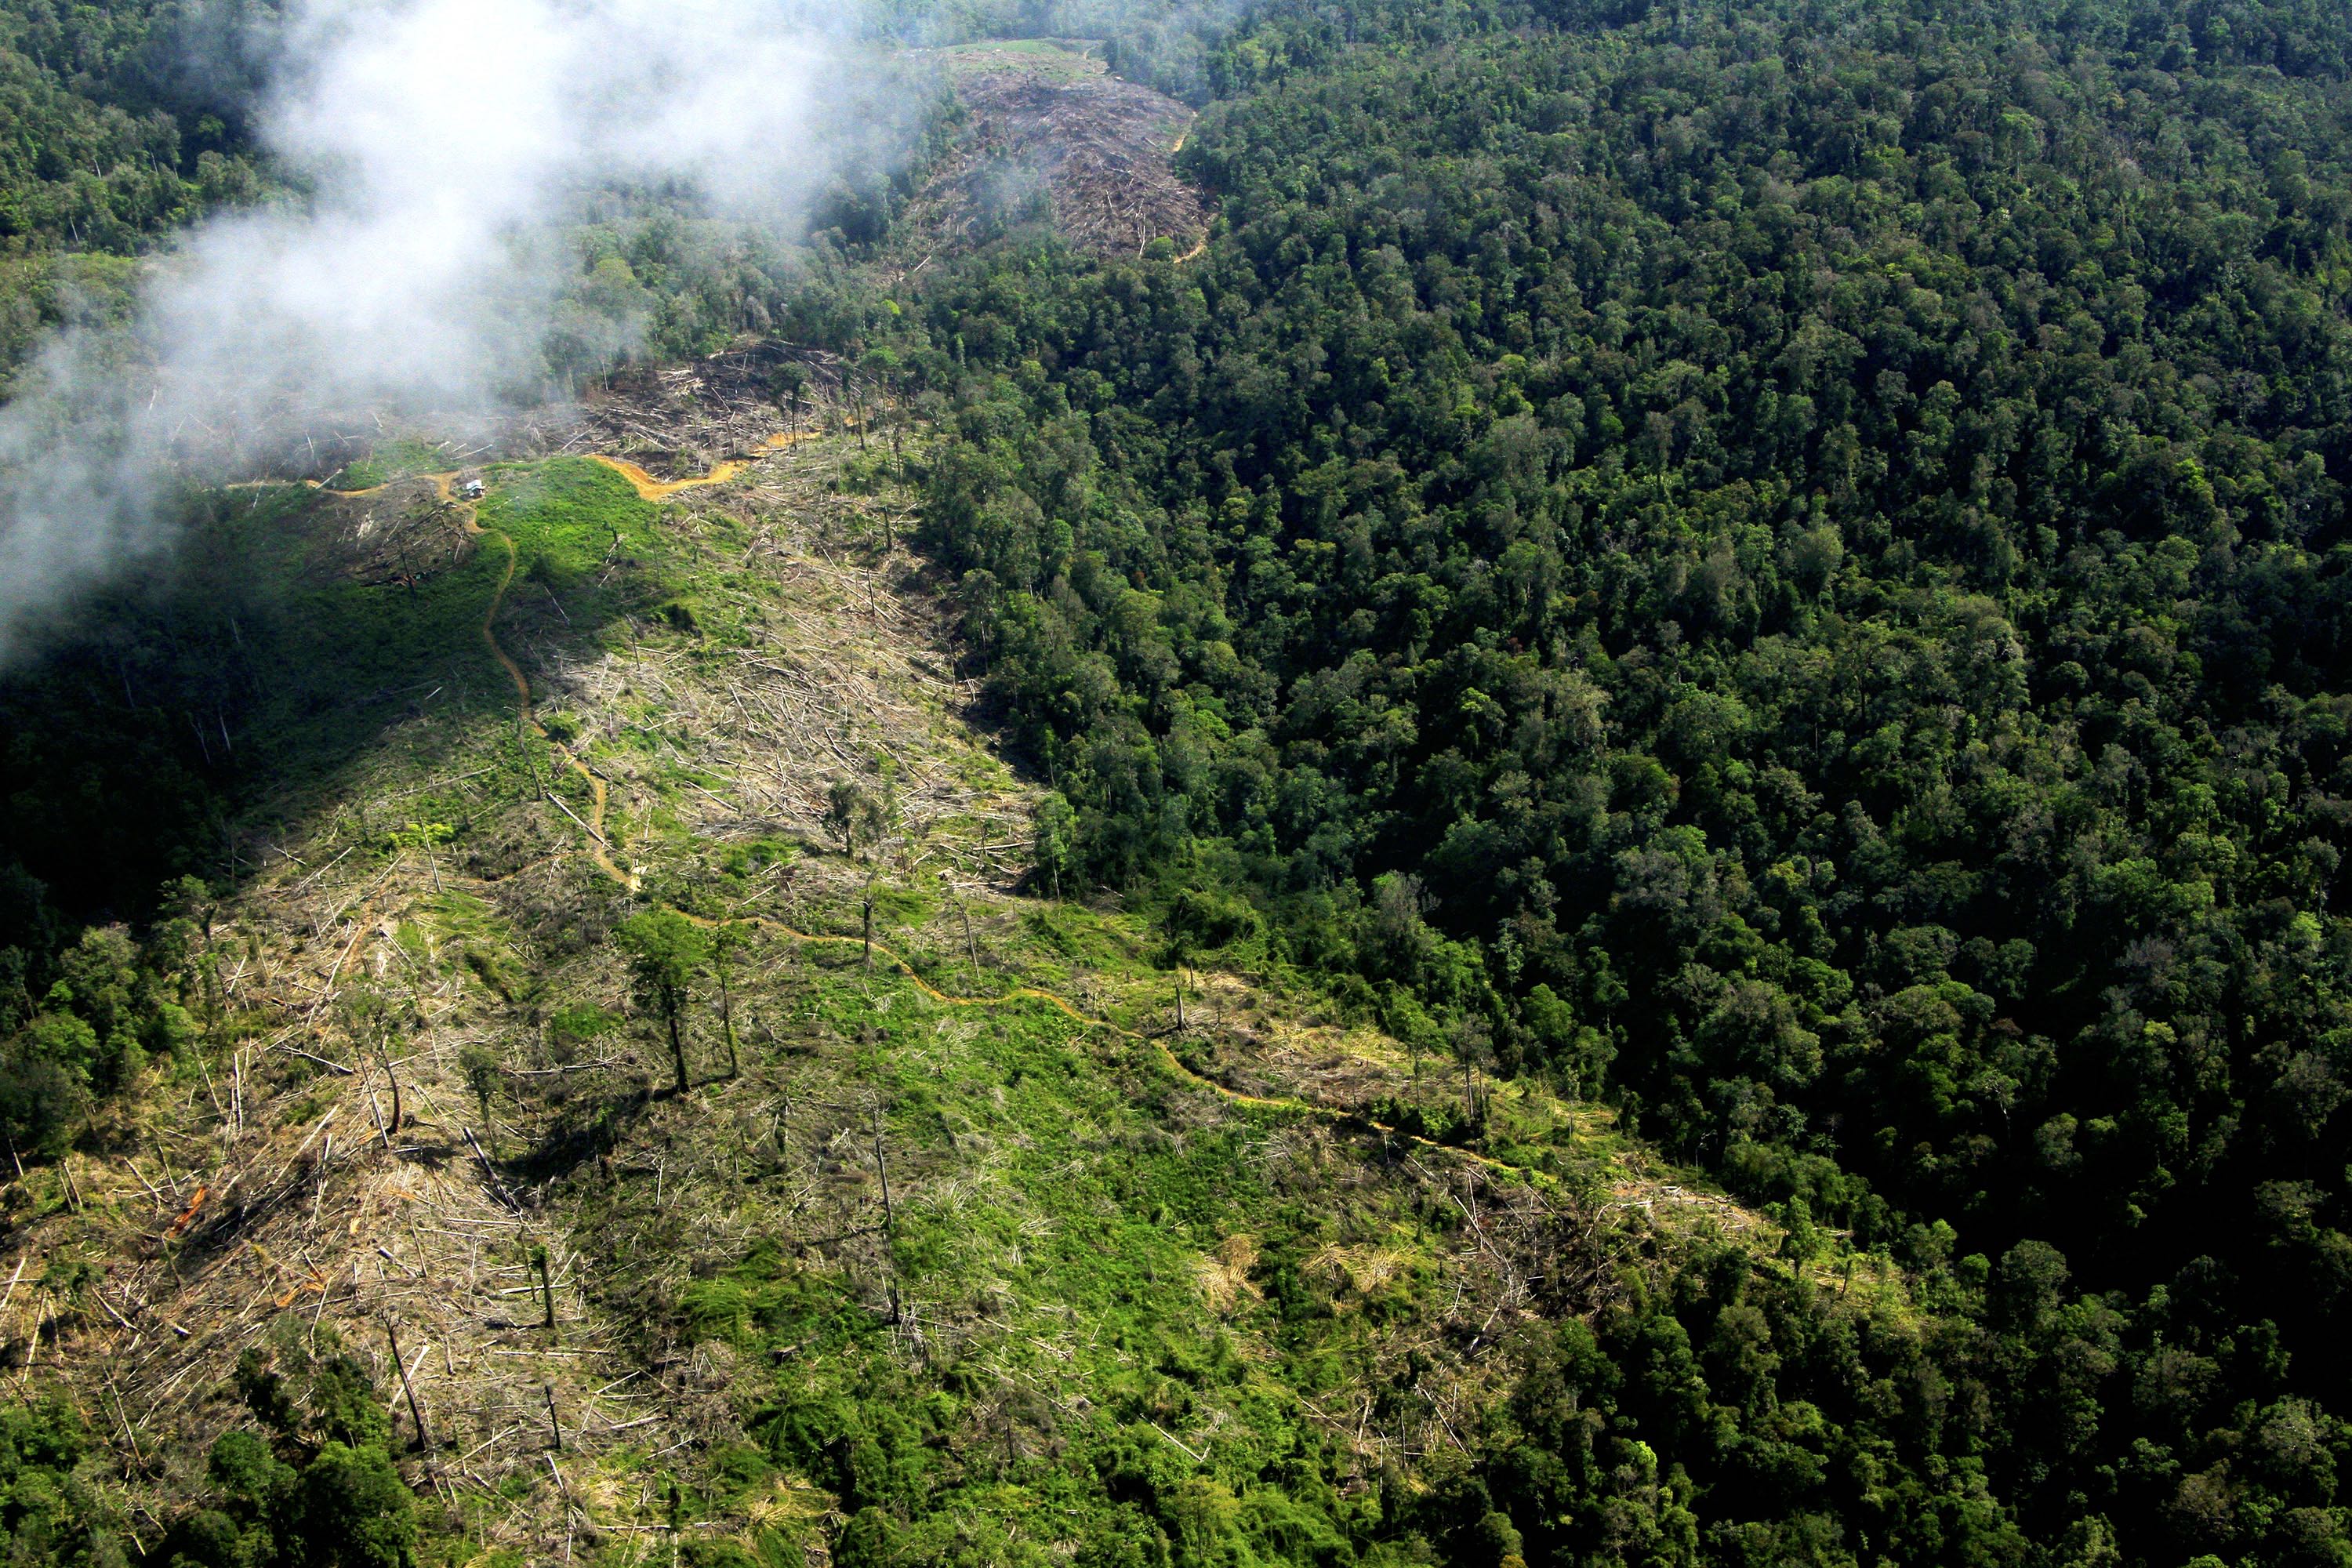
[[723, 946], [882, 1168], [971, 948], [890, 1217], [384, 1059], [546, 1286], [415, 1411], [481, 1068]]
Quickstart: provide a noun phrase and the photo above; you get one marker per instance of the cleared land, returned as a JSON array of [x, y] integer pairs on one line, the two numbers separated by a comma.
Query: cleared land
[[1053, 134]]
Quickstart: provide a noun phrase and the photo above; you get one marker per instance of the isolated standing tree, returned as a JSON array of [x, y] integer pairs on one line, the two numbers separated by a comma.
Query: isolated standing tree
[[879, 373], [376, 1022], [841, 812], [788, 385], [1056, 838], [853, 811], [1474, 1047], [189, 935], [665, 952], [480, 1065]]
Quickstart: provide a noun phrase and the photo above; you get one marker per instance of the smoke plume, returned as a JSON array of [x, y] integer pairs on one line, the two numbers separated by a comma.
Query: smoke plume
[[442, 147]]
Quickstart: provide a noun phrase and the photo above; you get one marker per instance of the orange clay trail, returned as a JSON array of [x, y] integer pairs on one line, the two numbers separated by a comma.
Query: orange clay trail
[[651, 489]]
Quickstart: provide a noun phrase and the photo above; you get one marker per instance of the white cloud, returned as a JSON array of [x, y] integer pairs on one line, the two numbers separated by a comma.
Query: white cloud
[[444, 143]]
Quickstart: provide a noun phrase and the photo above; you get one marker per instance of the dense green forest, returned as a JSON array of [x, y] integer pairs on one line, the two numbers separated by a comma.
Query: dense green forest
[[1781, 565], [122, 122]]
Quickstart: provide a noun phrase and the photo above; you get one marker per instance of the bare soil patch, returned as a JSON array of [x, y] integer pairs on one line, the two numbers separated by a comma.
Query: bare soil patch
[[1053, 133]]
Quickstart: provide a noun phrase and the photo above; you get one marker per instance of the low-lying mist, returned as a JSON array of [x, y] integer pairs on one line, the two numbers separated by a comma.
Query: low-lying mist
[[442, 150]]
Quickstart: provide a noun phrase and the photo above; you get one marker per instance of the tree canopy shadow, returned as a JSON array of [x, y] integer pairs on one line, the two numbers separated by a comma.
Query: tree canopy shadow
[[193, 720]]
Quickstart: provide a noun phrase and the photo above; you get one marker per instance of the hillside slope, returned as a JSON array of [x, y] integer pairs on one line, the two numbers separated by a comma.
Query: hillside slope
[[954, 1233], [1048, 133]]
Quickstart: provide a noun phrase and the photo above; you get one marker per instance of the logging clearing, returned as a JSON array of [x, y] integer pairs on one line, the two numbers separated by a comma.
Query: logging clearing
[[1051, 135]]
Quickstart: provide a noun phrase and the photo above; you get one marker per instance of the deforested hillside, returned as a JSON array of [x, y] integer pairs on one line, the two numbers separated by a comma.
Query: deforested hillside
[[1048, 136]]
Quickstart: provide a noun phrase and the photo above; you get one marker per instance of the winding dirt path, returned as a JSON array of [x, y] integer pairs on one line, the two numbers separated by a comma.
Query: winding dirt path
[[445, 486], [651, 489], [654, 489]]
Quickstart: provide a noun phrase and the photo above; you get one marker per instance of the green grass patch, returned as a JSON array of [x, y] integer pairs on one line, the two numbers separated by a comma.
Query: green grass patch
[[568, 517], [1117, 1291]]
